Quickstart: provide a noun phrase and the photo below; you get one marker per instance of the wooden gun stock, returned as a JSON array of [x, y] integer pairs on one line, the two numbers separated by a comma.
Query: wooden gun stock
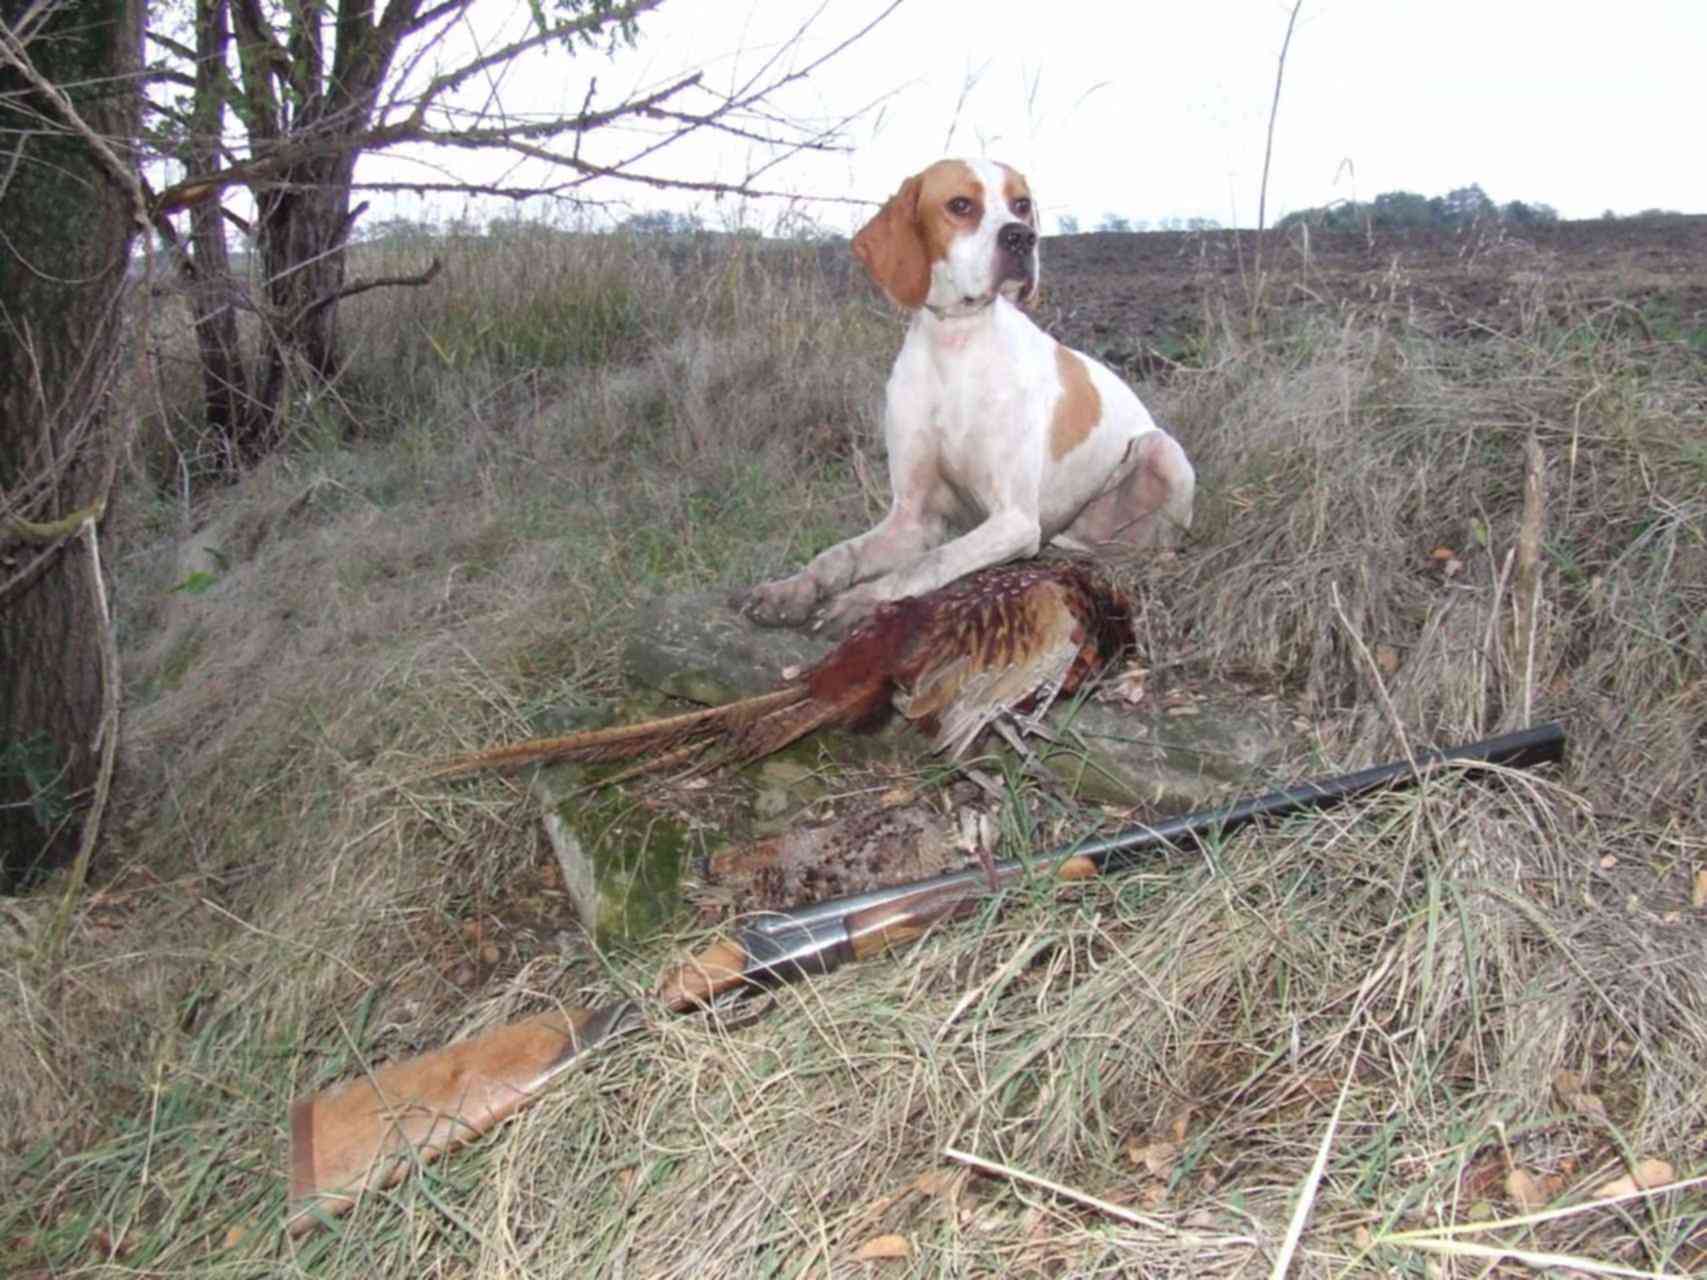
[[369, 1132]]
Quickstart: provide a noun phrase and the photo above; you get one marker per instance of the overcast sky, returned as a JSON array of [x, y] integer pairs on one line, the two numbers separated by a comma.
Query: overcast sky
[[1159, 110]]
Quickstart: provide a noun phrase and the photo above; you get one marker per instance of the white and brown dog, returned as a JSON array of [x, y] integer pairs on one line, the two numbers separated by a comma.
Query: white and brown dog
[[989, 421]]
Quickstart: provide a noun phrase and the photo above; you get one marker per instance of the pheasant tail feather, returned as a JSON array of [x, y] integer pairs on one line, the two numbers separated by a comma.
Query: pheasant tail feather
[[670, 734]]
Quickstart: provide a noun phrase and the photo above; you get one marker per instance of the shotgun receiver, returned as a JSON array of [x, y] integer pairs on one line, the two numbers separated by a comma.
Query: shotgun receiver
[[369, 1132]]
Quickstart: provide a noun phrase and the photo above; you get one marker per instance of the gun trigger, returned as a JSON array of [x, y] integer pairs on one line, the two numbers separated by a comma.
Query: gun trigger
[[733, 997]]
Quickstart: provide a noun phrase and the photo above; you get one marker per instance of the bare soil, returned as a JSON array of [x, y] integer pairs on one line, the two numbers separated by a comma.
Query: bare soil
[[1137, 300]]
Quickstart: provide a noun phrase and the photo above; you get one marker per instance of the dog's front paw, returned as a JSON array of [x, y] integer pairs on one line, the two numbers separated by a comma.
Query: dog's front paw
[[847, 611], [787, 602]]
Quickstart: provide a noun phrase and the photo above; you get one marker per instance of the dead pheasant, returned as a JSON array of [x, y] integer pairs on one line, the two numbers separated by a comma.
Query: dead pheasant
[[997, 645]]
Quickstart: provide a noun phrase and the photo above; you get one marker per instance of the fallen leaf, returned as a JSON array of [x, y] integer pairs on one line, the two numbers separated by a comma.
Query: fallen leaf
[[936, 1182], [879, 1248], [1698, 899], [1158, 1157], [1647, 1173], [1387, 658], [1523, 1189], [1129, 684], [1183, 710], [1573, 1091], [1483, 1177], [1442, 553], [1608, 861]]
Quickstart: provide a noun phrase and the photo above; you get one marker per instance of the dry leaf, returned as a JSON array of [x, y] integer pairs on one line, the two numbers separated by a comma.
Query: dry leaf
[[879, 1248], [1157, 1157], [1442, 553], [1524, 1190], [1647, 1173], [1608, 861], [1387, 658], [1183, 709], [1129, 684], [1698, 899], [936, 1182], [1573, 1091]]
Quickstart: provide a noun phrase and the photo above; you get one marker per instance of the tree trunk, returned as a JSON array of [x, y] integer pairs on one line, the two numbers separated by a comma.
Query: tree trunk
[[63, 265], [301, 235], [225, 382]]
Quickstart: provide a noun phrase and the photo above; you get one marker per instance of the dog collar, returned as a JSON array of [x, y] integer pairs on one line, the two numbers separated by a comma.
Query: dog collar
[[961, 310]]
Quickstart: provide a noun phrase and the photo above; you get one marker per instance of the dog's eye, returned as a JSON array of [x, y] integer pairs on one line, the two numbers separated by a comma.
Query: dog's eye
[[960, 206], [1022, 207]]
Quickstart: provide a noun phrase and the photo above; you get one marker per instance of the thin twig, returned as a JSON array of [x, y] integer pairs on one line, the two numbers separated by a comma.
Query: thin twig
[[1086, 1198], [1268, 147], [106, 739]]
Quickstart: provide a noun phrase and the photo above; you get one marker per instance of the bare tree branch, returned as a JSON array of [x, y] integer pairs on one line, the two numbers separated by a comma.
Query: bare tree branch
[[378, 282], [315, 86]]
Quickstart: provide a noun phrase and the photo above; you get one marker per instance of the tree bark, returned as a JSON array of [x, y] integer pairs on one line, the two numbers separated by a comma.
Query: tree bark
[[225, 381], [63, 266]]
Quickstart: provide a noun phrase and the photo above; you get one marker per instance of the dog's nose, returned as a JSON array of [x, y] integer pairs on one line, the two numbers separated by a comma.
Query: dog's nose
[[1017, 238]]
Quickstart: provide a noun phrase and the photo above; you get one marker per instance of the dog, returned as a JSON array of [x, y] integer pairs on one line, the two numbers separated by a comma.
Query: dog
[[988, 421]]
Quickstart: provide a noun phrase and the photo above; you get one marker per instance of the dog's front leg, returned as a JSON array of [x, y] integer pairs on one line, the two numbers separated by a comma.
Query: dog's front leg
[[1012, 534], [901, 536], [914, 525]]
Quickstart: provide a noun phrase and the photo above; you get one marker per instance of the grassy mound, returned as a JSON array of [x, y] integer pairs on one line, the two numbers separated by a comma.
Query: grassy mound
[[1421, 1013]]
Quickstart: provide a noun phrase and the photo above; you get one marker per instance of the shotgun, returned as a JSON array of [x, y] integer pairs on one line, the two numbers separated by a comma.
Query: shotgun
[[369, 1132]]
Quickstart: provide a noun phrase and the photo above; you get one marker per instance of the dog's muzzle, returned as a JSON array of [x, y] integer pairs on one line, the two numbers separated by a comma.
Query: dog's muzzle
[[1016, 252]]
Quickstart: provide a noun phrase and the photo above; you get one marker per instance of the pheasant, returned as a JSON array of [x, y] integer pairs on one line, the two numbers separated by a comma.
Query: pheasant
[[995, 648]]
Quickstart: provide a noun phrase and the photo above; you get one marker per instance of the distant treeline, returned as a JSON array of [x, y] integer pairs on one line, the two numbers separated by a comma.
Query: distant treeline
[[1463, 207]]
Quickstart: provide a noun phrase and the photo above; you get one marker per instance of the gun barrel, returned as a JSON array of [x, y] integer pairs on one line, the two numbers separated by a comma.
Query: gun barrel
[[820, 936]]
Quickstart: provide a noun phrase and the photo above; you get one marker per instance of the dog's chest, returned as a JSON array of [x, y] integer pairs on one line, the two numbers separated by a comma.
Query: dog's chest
[[986, 408]]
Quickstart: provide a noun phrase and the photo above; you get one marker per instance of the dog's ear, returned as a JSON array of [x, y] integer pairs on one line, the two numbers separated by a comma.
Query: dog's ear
[[891, 247]]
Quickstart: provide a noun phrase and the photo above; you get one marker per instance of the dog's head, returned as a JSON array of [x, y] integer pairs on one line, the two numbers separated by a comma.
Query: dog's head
[[953, 237]]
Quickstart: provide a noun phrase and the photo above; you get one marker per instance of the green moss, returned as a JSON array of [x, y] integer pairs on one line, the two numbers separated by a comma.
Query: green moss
[[622, 861]]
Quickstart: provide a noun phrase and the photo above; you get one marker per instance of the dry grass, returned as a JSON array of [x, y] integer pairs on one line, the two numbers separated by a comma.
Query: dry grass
[[1468, 964]]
